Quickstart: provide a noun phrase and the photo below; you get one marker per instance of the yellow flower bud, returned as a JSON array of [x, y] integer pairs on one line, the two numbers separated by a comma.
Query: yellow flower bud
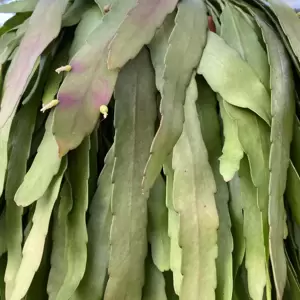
[[66, 68], [49, 105]]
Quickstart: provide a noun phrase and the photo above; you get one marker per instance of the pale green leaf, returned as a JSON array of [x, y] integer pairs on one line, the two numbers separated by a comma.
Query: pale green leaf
[[93, 283], [230, 76], [193, 195], [18, 6], [44, 167], [135, 114], [210, 128], [34, 245], [76, 248], [232, 151], [158, 225], [191, 17]]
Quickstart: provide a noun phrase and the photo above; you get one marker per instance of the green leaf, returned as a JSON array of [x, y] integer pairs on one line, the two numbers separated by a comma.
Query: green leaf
[[40, 33], [282, 111], [295, 145], [14, 22], [18, 6], [210, 128], [76, 248], [292, 289], [158, 49], [60, 240], [191, 17], [137, 29], [232, 149], [76, 9], [173, 227], [237, 217], [239, 35], [90, 19], [89, 85], [2, 271], [21, 136], [289, 22], [193, 191], [231, 77], [44, 167], [158, 225], [93, 283], [34, 245], [154, 288], [135, 114], [254, 235]]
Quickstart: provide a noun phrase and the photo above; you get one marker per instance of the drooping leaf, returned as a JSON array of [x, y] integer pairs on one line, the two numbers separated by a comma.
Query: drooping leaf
[[21, 136], [158, 225], [210, 128], [193, 191], [18, 6], [232, 149], [92, 285], [254, 236], [44, 167], [137, 29], [135, 113], [89, 85], [60, 240], [191, 17], [40, 33], [76, 248], [233, 78], [282, 111], [239, 35], [34, 245], [154, 288], [173, 227]]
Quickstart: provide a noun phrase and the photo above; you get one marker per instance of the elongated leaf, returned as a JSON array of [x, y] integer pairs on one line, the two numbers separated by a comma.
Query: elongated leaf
[[239, 35], [233, 78], [44, 167], [158, 225], [282, 110], [158, 48], [292, 289], [60, 235], [76, 9], [173, 227], [210, 128], [137, 29], [232, 149], [191, 17], [92, 285], [39, 35], [253, 230], [76, 255], [21, 135], [34, 245], [89, 85], [89, 22], [18, 6], [14, 22], [236, 214], [154, 288], [193, 192], [135, 113]]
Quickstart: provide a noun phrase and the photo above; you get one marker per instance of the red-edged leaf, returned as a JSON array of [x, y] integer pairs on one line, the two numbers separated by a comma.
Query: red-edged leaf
[[40, 33], [138, 29], [89, 85]]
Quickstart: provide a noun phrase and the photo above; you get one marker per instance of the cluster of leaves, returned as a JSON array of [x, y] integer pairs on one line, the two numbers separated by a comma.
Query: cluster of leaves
[[186, 186]]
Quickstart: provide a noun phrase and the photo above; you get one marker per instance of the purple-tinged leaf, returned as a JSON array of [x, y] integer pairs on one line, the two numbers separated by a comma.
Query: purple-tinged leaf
[[138, 29], [89, 85], [39, 35]]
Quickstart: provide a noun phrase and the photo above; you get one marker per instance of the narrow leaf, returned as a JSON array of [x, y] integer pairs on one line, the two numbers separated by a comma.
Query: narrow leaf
[[158, 225], [191, 17], [193, 192], [135, 113], [137, 29], [34, 245]]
